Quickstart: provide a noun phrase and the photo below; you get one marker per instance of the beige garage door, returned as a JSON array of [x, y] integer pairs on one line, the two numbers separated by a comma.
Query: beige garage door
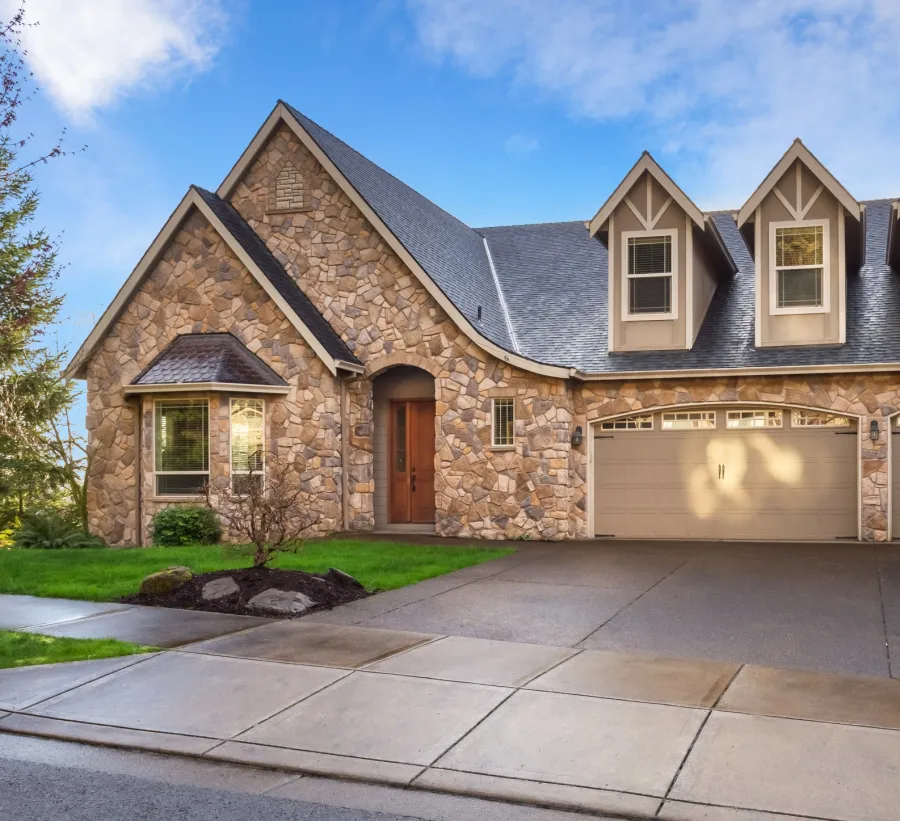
[[728, 473]]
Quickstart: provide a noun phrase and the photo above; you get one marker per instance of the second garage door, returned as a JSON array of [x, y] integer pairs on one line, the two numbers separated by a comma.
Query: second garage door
[[728, 473]]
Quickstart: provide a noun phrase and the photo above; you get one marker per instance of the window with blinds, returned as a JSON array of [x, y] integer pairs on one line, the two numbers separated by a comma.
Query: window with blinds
[[799, 266], [247, 444], [181, 447], [650, 275], [504, 424]]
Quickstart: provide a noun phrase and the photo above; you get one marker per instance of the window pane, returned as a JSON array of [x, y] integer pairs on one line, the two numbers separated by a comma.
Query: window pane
[[180, 484], [816, 419], [182, 436], [630, 423], [242, 483], [504, 422], [800, 287], [649, 255], [400, 438], [650, 295], [753, 419], [799, 246], [689, 420], [246, 434]]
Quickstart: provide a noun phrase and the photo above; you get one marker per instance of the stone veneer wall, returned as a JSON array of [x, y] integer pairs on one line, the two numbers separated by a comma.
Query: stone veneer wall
[[199, 286], [537, 489], [869, 396], [388, 318]]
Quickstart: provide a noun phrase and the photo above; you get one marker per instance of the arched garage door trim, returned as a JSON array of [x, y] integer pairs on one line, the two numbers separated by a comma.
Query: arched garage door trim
[[890, 421], [725, 403]]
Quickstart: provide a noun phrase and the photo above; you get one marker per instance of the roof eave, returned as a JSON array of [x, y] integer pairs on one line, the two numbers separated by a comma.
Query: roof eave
[[208, 387]]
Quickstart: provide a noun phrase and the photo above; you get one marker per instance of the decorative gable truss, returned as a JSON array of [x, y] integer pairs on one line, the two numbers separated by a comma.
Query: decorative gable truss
[[254, 255], [805, 232], [665, 258]]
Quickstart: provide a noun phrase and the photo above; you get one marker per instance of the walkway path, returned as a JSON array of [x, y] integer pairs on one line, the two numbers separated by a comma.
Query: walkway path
[[563, 727]]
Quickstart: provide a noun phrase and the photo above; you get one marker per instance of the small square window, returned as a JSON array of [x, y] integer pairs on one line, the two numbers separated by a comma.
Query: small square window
[[628, 423], [689, 420], [504, 423], [817, 419], [737, 419]]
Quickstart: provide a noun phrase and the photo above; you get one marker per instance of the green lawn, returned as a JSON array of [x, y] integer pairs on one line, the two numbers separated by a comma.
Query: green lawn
[[23, 649], [108, 575]]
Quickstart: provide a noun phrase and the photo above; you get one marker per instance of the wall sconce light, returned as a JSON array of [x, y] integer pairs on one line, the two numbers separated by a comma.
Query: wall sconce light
[[873, 430], [577, 436]]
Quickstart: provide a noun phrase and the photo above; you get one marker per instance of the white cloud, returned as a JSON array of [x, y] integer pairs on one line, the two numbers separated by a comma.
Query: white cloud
[[88, 53], [720, 87], [521, 145]]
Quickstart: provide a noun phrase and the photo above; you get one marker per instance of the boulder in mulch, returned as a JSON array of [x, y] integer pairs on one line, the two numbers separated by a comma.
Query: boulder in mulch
[[342, 578], [219, 589], [281, 602], [165, 581]]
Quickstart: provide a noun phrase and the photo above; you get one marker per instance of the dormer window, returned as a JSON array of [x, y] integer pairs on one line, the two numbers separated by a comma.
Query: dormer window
[[799, 252], [650, 271]]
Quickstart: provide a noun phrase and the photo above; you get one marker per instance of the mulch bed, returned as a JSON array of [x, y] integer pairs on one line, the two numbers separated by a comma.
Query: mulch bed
[[325, 589]]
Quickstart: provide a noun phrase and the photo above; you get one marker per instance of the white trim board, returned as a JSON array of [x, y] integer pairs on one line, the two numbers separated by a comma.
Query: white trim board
[[798, 151], [191, 199], [205, 387], [648, 164], [281, 113]]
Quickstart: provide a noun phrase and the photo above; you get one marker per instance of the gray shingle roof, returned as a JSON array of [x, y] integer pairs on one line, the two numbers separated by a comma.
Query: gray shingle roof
[[450, 252], [284, 283], [554, 281], [208, 358]]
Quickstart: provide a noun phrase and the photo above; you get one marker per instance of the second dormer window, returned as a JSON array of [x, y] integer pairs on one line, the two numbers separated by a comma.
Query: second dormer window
[[650, 275], [800, 275]]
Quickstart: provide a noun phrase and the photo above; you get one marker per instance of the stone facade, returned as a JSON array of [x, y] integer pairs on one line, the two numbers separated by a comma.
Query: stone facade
[[289, 191], [537, 489], [199, 286], [870, 397]]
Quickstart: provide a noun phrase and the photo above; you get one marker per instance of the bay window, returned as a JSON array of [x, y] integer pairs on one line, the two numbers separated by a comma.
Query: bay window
[[181, 447]]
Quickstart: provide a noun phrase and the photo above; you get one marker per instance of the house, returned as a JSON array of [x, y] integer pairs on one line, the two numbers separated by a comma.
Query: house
[[655, 372]]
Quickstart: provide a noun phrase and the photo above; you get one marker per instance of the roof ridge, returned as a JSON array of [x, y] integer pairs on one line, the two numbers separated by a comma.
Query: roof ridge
[[529, 225], [297, 112]]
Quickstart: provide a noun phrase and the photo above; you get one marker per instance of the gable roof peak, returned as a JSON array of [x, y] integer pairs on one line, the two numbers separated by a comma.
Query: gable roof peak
[[799, 151], [646, 163]]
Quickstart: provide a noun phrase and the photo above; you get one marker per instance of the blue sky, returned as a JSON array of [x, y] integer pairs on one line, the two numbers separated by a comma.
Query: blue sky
[[501, 111]]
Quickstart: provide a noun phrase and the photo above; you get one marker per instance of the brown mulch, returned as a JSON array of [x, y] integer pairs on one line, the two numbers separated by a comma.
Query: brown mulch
[[327, 590]]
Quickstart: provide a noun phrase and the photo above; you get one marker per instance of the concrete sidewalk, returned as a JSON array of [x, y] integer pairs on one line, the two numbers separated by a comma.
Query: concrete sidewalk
[[588, 730]]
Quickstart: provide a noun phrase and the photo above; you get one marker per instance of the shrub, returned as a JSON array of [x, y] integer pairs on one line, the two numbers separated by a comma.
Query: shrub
[[49, 531], [181, 525]]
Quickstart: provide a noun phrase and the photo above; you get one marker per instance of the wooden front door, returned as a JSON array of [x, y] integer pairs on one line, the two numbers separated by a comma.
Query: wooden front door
[[411, 447]]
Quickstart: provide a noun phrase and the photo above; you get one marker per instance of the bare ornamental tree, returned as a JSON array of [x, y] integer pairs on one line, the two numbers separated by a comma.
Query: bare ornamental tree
[[264, 506]]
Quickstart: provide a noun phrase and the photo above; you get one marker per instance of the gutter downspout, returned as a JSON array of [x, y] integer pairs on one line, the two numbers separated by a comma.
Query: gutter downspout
[[345, 455], [139, 469]]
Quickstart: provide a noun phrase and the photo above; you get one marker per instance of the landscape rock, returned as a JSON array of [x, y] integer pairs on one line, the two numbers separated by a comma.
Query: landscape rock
[[166, 580], [281, 602], [219, 589], [342, 578]]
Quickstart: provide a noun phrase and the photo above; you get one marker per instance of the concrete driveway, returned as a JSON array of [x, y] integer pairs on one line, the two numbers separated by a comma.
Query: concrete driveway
[[830, 607]]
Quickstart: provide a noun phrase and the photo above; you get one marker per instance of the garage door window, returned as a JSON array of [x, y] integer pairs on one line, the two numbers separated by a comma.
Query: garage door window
[[743, 419], [630, 423], [814, 419], [689, 420]]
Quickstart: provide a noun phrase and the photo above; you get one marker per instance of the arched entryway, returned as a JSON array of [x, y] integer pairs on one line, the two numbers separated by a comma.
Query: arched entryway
[[404, 441]]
